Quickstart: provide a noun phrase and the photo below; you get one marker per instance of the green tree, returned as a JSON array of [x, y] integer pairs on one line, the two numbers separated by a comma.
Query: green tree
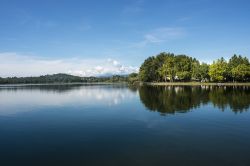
[[163, 72], [235, 60], [159, 61], [147, 71], [218, 71], [238, 68], [241, 72], [196, 71], [204, 69], [132, 78], [167, 63], [200, 72], [183, 67], [168, 68]]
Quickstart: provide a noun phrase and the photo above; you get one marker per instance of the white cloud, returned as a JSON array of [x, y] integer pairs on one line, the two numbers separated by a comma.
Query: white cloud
[[160, 35], [13, 64], [113, 62]]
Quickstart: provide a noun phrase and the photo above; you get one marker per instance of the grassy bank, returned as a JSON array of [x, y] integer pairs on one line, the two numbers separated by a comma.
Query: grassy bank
[[196, 83]]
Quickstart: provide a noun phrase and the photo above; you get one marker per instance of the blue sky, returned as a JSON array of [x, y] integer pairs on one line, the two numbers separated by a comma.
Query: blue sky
[[90, 37]]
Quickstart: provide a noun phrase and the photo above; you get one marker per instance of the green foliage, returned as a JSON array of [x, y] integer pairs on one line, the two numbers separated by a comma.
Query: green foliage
[[133, 78], [200, 72], [61, 78], [235, 60], [170, 67], [163, 72], [203, 71], [196, 75], [148, 70], [218, 71], [238, 68], [184, 75], [241, 72], [159, 62], [55, 78], [118, 78], [167, 71]]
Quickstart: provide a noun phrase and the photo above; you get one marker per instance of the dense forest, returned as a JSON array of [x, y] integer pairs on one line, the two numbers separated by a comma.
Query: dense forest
[[169, 67], [61, 78]]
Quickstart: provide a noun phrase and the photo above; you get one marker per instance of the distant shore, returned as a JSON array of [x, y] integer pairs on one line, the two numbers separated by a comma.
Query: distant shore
[[138, 83], [197, 83], [62, 83]]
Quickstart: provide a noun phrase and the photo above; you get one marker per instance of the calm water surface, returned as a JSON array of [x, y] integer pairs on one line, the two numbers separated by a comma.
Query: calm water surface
[[114, 125]]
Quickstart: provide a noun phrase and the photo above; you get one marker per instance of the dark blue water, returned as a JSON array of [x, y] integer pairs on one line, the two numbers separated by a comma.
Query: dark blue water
[[110, 125]]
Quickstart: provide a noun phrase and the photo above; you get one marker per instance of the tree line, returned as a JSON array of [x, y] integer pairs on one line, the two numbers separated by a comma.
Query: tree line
[[61, 78], [161, 68], [169, 67]]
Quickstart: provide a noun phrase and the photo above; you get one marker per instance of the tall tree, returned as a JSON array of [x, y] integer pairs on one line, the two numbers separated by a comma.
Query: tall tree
[[218, 71], [235, 60], [147, 71], [196, 71], [241, 72], [238, 68], [159, 61], [204, 69], [169, 65], [183, 67], [164, 69]]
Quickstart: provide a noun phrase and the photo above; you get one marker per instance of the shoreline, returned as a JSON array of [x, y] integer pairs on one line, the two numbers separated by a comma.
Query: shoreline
[[196, 84], [141, 83], [73, 83]]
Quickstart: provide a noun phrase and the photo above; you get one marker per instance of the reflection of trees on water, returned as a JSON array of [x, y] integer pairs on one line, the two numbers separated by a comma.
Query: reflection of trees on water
[[237, 98], [172, 99]]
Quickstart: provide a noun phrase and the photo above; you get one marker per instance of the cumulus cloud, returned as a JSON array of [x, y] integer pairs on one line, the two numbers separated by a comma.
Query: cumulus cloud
[[13, 64], [114, 62]]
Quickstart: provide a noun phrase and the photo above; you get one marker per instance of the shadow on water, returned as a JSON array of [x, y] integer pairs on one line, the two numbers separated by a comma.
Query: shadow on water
[[174, 99]]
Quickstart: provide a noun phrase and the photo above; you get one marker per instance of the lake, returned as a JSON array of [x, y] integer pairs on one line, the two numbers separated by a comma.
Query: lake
[[116, 125]]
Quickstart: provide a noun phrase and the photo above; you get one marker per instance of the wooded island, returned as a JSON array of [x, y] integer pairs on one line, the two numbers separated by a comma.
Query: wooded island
[[167, 67]]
